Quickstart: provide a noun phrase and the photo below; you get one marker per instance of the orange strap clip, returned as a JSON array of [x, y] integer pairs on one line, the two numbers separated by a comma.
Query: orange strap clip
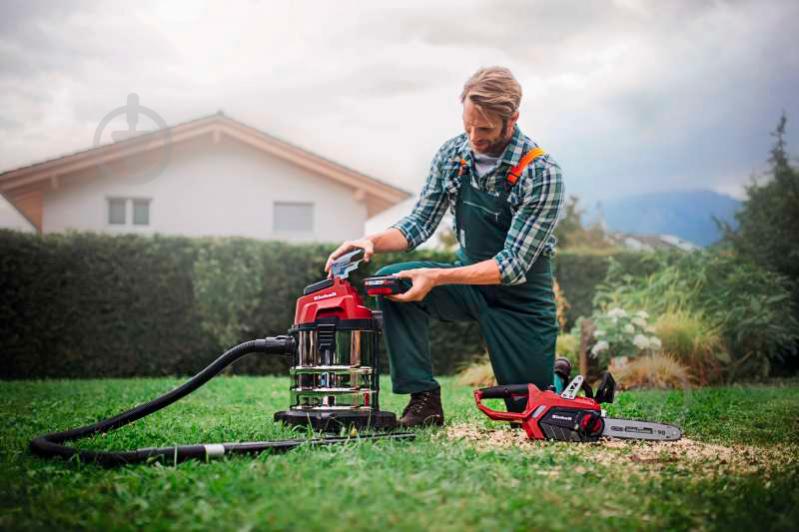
[[463, 167], [516, 172]]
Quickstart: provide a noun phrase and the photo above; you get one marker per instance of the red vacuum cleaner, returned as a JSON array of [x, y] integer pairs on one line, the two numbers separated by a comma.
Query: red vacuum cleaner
[[334, 345], [336, 369]]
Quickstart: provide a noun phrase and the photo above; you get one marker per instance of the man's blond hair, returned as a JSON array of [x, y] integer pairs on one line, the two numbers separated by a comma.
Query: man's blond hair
[[495, 90]]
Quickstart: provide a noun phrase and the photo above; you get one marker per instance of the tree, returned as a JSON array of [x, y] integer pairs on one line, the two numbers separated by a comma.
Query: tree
[[572, 234], [768, 221], [571, 223]]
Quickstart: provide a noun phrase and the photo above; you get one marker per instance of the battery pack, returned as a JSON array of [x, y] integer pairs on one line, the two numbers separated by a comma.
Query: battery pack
[[382, 285]]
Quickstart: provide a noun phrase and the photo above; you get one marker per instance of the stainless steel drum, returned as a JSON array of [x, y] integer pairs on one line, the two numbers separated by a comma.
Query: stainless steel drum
[[343, 377], [335, 376]]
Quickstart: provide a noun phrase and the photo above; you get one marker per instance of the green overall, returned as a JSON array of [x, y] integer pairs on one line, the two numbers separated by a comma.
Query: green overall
[[518, 322]]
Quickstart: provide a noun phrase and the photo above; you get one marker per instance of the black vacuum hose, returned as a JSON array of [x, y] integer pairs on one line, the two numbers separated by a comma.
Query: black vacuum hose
[[50, 444]]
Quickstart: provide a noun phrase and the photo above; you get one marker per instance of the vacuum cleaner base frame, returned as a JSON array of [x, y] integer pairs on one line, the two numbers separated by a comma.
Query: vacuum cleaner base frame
[[328, 421]]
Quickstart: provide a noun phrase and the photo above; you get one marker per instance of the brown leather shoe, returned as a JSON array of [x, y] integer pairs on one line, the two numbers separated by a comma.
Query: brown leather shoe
[[423, 409]]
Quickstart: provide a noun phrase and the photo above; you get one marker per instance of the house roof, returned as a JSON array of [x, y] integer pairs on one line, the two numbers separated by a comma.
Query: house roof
[[25, 186], [652, 242]]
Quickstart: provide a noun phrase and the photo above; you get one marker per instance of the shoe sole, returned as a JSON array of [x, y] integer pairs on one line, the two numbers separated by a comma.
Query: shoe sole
[[427, 422]]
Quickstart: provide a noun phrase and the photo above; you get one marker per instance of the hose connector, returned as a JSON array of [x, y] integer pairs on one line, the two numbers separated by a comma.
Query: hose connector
[[278, 345]]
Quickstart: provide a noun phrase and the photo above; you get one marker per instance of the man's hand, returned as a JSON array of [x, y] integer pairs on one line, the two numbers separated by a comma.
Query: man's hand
[[364, 243], [423, 279], [391, 239]]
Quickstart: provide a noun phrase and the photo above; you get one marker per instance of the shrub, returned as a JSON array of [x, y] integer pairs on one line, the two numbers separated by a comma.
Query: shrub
[[580, 272], [751, 306], [622, 334], [561, 304], [652, 371], [568, 347], [478, 374], [689, 338]]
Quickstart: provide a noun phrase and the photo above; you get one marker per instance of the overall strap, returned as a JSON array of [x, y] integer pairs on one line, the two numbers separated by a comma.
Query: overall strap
[[462, 169], [516, 172]]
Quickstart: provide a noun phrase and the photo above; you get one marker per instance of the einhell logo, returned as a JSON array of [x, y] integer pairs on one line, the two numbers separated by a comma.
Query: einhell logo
[[562, 418], [325, 296]]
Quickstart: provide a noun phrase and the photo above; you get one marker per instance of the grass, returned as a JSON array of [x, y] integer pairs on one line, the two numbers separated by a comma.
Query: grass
[[746, 476]]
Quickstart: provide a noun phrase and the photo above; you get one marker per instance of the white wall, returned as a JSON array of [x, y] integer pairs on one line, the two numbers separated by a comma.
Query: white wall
[[212, 189], [387, 218]]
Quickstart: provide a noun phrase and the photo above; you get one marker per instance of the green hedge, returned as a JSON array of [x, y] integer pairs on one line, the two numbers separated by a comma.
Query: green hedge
[[82, 305], [89, 305]]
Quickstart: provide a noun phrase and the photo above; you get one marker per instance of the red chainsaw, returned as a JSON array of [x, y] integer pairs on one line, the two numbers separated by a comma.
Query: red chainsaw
[[567, 417]]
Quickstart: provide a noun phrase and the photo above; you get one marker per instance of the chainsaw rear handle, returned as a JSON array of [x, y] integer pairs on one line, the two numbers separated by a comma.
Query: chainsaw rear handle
[[508, 391], [505, 391]]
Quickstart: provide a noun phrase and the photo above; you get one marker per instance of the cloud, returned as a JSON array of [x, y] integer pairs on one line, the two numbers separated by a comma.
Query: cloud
[[629, 96]]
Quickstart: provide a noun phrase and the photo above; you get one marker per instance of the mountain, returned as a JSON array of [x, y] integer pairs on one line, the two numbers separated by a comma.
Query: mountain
[[683, 213]]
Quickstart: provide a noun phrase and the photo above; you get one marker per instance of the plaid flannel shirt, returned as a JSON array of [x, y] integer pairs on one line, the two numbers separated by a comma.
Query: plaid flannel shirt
[[536, 201]]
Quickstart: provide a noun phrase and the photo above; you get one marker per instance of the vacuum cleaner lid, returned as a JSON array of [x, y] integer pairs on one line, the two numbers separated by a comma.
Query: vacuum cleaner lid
[[331, 298]]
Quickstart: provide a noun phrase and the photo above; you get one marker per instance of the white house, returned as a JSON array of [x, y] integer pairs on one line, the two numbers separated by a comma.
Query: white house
[[211, 176], [637, 242]]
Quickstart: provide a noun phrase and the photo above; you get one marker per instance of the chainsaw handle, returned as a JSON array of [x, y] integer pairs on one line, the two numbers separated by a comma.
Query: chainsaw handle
[[504, 391]]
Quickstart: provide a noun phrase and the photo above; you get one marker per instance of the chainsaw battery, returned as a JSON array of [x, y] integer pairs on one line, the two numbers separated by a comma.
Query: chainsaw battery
[[386, 285]]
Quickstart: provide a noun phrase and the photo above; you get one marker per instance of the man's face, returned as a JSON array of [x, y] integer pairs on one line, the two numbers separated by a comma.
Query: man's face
[[485, 130]]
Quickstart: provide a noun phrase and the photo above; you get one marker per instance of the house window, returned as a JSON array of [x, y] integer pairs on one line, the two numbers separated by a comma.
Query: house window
[[141, 212], [293, 216], [116, 211]]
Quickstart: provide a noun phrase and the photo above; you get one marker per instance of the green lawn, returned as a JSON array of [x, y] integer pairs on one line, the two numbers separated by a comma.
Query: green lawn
[[738, 470]]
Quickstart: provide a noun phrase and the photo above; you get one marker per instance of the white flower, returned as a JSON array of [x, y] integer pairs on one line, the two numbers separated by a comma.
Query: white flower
[[617, 313], [600, 346], [655, 343], [629, 329], [641, 322], [650, 328], [642, 314], [641, 342], [599, 333]]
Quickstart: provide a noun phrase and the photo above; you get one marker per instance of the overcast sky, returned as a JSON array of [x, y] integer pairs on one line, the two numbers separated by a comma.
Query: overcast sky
[[629, 96]]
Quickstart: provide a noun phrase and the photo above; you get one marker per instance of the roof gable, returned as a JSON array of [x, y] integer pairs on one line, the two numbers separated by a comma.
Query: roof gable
[[24, 187]]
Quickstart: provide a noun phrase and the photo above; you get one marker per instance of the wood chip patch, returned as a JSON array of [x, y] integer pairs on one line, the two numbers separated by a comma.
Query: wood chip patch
[[684, 454]]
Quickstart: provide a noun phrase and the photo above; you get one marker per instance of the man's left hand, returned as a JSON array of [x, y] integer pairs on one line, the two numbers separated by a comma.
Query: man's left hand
[[423, 279]]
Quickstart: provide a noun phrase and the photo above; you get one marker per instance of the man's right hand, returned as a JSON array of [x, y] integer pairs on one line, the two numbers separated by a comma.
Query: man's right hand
[[365, 244]]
